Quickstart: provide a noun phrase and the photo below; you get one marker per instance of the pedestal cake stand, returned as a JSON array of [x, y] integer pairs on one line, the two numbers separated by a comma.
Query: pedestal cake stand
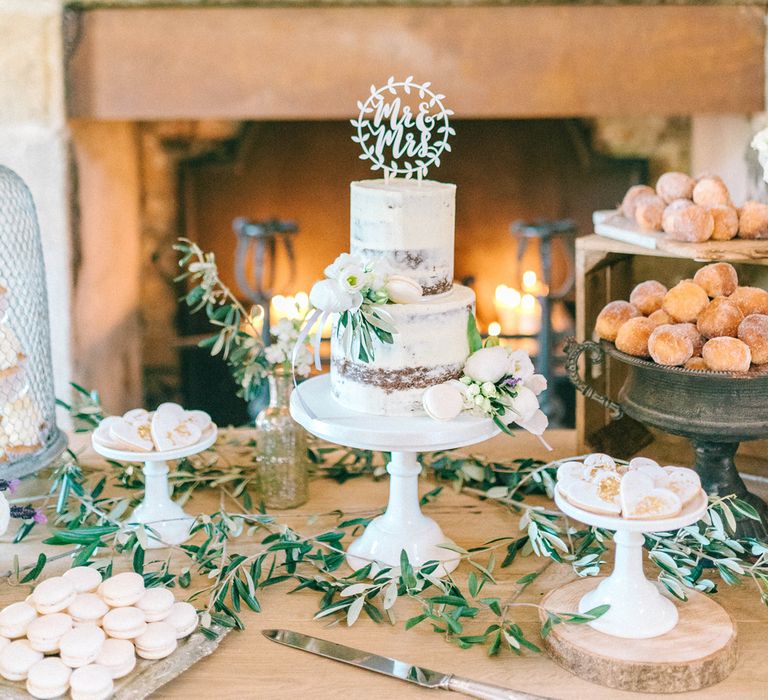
[[668, 647], [157, 510], [403, 526]]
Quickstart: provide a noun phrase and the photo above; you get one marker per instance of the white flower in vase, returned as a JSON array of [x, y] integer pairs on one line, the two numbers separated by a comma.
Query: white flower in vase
[[274, 354]]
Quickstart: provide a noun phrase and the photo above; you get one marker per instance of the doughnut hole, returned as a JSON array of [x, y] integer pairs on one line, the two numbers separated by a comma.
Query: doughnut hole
[[633, 335], [727, 355], [753, 331], [671, 186], [751, 300], [613, 316], [685, 301], [726, 220], [647, 296], [634, 193], [718, 279], [669, 346], [753, 220]]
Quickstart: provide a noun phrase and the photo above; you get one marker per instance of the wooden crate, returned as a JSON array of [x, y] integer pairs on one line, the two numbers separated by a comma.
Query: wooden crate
[[608, 269]]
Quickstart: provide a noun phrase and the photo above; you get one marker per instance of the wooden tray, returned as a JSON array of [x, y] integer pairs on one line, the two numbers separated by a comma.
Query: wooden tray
[[610, 224]]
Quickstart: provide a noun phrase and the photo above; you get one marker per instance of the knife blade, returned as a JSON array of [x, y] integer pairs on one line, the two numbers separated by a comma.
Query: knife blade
[[395, 668]]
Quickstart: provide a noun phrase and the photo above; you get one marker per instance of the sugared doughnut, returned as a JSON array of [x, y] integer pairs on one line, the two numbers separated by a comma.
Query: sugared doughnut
[[648, 212], [633, 335], [673, 207], [696, 363], [726, 220], [669, 346], [690, 330], [672, 186], [753, 331], [685, 301], [630, 199], [753, 220], [721, 317], [718, 279], [691, 224], [613, 316], [751, 300], [710, 191], [647, 296], [727, 355], [660, 317]]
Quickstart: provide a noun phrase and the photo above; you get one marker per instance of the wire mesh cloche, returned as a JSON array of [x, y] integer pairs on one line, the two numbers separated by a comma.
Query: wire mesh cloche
[[29, 438]]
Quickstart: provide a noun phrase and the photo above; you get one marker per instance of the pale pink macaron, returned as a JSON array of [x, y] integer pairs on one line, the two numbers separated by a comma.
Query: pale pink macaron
[[48, 678], [81, 646], [53, 595], [119, 656], [92, 682], [85, 579], [122, 590], [124, 623], [183, 619], [45, 632], [15, 619], [157, 642], [4, 642], [17, 658], [87, 609], [156, 603]]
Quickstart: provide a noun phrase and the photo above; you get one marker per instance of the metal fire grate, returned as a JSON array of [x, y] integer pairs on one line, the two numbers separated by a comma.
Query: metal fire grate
[[29, 438]]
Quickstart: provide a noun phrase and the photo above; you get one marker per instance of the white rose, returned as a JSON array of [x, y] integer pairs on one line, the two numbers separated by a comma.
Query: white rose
[[344, 260], [536, 383], [473, 390], [525, 404], [536, 424], [443, 401], [329, 295], [488, 364], [488, 389], [353, 277], [520, 364], [403, 290]]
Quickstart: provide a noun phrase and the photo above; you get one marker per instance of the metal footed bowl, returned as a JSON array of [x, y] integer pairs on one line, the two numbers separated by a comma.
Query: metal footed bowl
[[714, 410]]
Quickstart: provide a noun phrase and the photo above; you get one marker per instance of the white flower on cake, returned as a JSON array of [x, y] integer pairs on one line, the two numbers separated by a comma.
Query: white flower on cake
[[330, 295]]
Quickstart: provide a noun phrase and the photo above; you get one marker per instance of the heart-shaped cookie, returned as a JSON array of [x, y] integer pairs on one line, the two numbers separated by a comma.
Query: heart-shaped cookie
[[168, 433], [652, 469], [199, 418], [597, 497], [597, 464], [137, 415], [567, 473], [172, 411], [132, 436], [642, 500], [684, 482], [102, 435]]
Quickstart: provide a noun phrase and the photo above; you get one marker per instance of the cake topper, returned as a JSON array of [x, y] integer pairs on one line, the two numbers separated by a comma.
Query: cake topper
[[403, 128]]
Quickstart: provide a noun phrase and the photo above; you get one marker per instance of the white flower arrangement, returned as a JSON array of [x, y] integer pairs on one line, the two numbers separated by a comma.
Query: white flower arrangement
[[358, 292], [760, 144], [279, 354], [498, 382]]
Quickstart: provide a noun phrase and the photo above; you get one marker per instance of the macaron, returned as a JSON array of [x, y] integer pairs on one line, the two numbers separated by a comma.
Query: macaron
[[118, 656], [85, 579], [156, 603], [48, 678], [15, 619], [92, 682], [81, 646], [45, 632], [53, 595], [122, 590], [4, 642], [87, 609], [183, 618], [157, 642], [124, 623], [16, 660]]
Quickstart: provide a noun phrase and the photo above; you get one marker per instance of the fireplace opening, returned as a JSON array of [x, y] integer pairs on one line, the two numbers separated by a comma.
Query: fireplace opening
[[506, 171]]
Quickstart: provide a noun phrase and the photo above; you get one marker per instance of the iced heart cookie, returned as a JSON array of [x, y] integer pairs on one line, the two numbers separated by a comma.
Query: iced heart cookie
[[683, 482], [103, 436], [172, 410], [169, 433], [137, 416], [600, 496], [641, 500], [199, 418], [131, 436], [597, 464], [652, 469]]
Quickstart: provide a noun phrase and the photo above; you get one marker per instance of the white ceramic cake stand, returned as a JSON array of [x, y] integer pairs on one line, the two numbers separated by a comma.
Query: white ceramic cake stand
[[638, 610], [403, 526], [157, 510]]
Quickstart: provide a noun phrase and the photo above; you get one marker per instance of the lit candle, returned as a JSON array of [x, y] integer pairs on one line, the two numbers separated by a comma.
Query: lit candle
[[506, 301], [530, 315]]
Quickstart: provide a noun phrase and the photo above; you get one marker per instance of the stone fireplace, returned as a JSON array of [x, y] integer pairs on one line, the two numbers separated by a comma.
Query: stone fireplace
[[136, 121]]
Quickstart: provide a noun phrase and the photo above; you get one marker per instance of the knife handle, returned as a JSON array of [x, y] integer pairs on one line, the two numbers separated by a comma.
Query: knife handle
[[486, 691]]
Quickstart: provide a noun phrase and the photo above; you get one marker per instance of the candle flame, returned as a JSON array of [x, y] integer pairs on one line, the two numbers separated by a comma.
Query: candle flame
[[494, 328]]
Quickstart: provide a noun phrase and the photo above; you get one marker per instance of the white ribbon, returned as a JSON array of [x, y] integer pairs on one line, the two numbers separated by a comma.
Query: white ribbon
[[320, 317]]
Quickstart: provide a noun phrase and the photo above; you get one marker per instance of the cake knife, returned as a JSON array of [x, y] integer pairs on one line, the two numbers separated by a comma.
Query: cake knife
[[397, 669]]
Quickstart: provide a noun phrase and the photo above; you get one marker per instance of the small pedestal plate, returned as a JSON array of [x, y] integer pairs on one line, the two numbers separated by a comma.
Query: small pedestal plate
[[403, 526], [157, 510], [669, 647]]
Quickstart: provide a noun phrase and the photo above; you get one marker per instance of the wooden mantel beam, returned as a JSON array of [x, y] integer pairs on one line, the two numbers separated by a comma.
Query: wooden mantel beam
[[493, 61]]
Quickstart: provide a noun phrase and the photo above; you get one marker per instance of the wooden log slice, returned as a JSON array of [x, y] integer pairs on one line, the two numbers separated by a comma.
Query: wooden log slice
[[700, 651]]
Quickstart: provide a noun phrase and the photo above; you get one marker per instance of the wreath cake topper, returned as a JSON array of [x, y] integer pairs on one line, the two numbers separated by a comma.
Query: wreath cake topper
[[403, 128]]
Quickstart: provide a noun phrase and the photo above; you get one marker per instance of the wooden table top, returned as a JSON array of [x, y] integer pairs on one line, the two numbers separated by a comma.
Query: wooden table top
[[247, 665]]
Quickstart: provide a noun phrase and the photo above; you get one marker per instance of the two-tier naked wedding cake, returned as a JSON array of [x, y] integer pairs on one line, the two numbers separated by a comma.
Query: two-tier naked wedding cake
[[408, 227]]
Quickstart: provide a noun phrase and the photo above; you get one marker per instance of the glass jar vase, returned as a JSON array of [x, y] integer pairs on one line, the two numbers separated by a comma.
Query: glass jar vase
[[282, 448]]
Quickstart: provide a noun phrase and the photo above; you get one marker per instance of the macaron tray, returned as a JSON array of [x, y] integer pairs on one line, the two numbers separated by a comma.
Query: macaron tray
[[81, 637]]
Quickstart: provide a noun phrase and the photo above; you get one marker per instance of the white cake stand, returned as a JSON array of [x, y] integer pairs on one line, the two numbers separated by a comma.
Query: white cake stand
[[403, 526], [638, 610], [157, 510]]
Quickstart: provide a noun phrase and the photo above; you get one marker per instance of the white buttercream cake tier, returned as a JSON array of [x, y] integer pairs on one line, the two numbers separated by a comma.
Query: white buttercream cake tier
[[408, 223], [430, 347]]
